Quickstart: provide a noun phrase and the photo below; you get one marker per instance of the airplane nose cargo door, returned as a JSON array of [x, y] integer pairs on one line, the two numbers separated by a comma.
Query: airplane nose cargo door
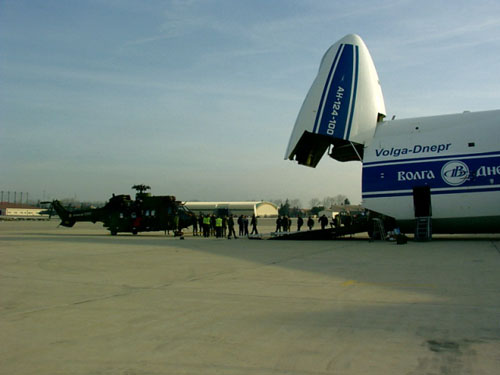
[[342, 107]]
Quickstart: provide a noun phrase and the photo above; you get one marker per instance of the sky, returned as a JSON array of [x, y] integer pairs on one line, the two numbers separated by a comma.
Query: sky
[[198, 98]]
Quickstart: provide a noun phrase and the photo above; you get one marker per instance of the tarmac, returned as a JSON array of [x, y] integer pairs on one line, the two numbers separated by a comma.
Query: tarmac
[[79, 301]]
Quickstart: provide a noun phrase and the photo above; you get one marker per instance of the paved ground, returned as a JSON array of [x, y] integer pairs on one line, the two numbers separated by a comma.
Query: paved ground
[[78, 301]]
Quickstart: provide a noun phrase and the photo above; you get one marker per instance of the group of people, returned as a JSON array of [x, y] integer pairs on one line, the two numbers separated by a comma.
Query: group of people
[[211, 225], [223, 226], [284, 223]]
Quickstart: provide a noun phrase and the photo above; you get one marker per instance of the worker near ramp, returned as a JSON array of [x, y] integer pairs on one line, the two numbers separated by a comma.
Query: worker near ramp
[[323, 220], [300, 222], [310, 223], [278, 224]]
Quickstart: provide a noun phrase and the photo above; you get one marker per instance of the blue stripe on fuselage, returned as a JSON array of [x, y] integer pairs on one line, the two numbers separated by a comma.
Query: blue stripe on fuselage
[[462, 172], [354, 92], [334, 112], [325, 89]]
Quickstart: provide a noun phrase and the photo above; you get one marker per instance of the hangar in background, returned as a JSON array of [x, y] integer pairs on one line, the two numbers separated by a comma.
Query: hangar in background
[[259, 209], [19, 209]]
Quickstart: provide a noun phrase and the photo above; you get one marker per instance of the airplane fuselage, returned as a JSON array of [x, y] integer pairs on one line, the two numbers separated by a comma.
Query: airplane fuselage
[[456, 158]]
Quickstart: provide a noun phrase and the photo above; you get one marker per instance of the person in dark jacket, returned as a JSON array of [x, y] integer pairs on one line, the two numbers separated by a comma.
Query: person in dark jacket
[[284, 223], [323, 220], [230, 225], [254, 225], [310, 223], [245, 225], [300, 222], [240, 225], [278, 224]]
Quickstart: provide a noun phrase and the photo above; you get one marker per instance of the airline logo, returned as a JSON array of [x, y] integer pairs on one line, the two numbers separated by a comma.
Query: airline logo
[[455, 173]]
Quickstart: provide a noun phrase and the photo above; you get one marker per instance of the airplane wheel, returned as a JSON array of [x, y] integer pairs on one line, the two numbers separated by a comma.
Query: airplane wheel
[[114, 232], [134, 232]]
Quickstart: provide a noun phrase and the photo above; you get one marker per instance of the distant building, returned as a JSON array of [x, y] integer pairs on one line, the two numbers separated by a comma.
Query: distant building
[[17, 209], [260, 209]]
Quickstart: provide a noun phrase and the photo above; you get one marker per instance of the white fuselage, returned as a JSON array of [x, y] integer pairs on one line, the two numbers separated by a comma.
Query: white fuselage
[[456, 156]]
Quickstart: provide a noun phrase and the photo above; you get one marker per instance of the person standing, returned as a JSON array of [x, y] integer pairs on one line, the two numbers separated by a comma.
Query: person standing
[[200, 224], [245, 225], [206, 226], [254, 225], [224, 225], [300, 222], [284, 223], [212, 225], [310, 223], [218, 227], [195, 225], [240, 225], [230, 225], [278, 224], [323, 220]]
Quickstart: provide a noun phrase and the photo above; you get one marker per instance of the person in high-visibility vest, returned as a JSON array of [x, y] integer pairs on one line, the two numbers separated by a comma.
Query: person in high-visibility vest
[[218, 227], [206, 226]]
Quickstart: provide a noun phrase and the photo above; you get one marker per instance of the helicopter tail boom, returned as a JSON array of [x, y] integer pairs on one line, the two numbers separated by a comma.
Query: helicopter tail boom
[[66, 218]]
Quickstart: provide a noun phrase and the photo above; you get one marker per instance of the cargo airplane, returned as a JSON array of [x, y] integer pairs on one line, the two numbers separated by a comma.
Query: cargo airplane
[[442, 170]]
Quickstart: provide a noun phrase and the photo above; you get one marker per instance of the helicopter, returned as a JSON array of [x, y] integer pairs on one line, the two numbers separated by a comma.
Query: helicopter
[[146, 213]]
